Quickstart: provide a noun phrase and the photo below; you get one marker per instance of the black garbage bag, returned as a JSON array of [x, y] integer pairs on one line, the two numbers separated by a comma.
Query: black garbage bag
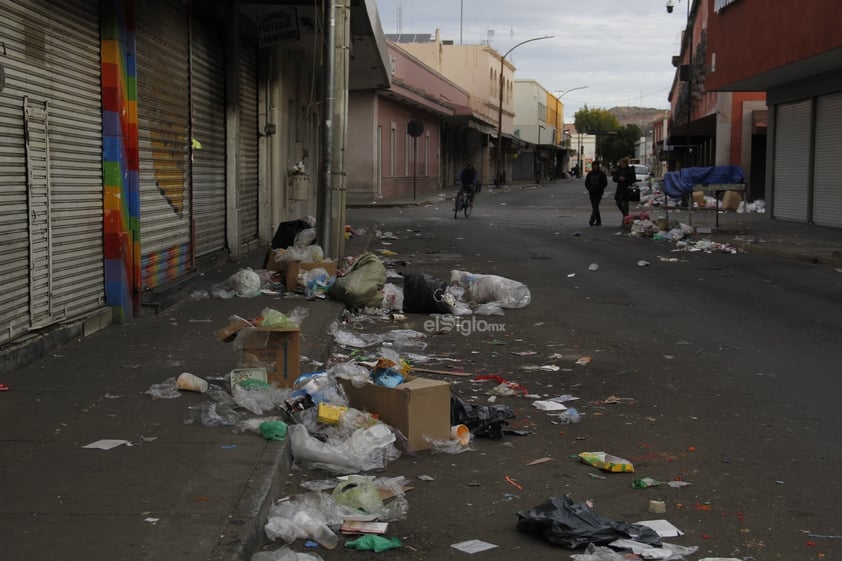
[[422, 294], [285, 236], [564, 523], [482, 420]]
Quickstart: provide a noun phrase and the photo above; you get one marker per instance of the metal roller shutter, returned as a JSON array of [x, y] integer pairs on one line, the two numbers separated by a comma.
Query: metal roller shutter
[[247, 195], [208, 101], [163, 138], [827, 190], [51, 207], [791, 168]]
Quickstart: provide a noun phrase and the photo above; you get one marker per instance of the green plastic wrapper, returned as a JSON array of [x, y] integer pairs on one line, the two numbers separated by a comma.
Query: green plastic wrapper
[[273, 430], [373, 543]]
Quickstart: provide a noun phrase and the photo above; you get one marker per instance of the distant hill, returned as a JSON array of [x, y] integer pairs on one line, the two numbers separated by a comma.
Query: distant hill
[[643, 117]]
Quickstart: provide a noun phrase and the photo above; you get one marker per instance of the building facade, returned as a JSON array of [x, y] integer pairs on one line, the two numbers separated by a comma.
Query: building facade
[[140, 141], [792, 51]]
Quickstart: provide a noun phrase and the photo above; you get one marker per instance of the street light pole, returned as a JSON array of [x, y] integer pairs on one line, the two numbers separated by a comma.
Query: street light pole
[[579, 153], [499, 172]]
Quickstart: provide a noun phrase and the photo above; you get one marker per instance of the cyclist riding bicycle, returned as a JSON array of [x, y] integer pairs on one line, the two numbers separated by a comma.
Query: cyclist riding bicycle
[[468, 181]]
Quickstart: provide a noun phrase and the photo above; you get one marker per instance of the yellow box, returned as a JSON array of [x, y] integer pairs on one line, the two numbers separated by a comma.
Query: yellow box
[[330, 414]]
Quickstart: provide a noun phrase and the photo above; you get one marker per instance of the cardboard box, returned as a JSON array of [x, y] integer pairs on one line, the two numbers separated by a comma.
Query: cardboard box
[[731, 200], [418, 407], [277, 350], [294, 268]]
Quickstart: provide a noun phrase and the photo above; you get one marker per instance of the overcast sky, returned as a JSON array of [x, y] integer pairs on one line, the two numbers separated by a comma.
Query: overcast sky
[[620, 49]]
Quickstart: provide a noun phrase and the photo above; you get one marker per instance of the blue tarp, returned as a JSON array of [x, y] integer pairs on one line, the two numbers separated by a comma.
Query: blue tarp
[[681, 182]]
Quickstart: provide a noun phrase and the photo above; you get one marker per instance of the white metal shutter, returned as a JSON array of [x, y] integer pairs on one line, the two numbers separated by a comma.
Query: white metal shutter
[[791, 167], [247, 183], [208, 100], [51, 265], [827, 188], [163, 138]]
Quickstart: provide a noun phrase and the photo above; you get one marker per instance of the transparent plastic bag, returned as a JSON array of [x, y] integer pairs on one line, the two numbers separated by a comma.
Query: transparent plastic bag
[[305, 237], [358, 375], [165, 390], [491, 288], [259, 400], [392, 297], [284, 554]]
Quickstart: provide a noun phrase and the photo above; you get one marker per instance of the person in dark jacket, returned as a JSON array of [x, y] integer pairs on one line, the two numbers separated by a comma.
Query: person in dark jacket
[[595, 182], [468, 181], [624, 178]]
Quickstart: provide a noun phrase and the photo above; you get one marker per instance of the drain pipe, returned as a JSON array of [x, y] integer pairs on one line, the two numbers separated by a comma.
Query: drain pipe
[[324, 203]]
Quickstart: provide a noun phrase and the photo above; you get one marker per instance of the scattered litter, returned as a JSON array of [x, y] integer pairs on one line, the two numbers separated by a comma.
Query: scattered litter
[[4, 387], [657, 507], [524, 353], [544, 367], [548, 405], [514, 483], [642, 263], [107, 444], [664, 528], [473, 546], [165, 390], [151, 520], [363, 527], [189, 382], [607, 462], [426, 478], [543, 460], [593, 267], [373, 543], [569, 416], [584, 361], [560, 521]]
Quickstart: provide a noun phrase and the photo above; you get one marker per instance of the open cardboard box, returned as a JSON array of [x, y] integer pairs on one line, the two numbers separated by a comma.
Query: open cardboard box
[[295, 268], [419, 407], [276, 349]]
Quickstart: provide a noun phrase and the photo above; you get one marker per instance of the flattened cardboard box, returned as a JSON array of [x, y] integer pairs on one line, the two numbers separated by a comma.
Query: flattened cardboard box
[[418, 407], [278, 350]]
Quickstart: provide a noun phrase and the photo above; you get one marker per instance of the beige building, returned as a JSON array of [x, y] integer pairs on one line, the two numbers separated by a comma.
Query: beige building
[[476, 68]]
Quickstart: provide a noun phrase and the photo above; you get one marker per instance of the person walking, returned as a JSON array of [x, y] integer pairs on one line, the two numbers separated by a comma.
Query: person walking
[[595, 182], [624, 178]]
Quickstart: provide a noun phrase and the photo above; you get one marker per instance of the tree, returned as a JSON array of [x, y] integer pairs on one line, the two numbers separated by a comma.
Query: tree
[[621, 144], [598, 122]]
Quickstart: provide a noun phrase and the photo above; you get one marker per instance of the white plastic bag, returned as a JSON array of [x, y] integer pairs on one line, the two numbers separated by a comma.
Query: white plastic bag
[[492, 288]]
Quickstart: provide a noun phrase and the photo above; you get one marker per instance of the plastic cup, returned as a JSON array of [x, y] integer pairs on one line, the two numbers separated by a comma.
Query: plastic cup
[[461, 433], [189, 382], [657, 507]]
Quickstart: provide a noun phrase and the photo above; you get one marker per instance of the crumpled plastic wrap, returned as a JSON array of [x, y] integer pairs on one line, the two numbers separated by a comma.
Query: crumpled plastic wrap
[[492, 288]]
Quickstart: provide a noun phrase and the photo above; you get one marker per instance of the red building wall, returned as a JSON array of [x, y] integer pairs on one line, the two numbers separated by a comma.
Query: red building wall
[[750, 37]]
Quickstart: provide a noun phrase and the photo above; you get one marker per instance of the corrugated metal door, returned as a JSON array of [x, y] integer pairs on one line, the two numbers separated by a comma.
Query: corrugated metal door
[[792, 165], [51, 208], [37, 144], [247, 195], [208, 97], [827, 189], [164, 141]]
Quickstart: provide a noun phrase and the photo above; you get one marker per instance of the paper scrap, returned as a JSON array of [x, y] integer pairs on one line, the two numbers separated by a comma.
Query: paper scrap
[[585, 360], [473, 546], [107, 444], [664, 528], [544, 405], [543, 460], [360, 527]]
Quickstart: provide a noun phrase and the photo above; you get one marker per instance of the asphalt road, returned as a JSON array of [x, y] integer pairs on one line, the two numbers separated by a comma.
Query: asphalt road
[[726, 368]]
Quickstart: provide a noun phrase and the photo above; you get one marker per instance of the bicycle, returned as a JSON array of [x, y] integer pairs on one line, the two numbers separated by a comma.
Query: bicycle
[[464, 202]]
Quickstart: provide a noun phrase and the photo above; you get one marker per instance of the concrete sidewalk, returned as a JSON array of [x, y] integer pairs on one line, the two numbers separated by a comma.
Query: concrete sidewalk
[[178, 491]]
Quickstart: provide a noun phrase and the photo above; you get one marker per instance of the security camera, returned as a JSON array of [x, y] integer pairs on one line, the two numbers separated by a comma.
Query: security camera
[[670, 6]]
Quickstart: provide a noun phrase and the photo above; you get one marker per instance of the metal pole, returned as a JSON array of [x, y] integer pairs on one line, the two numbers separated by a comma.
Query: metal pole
[[500, 106], [324, 202], [689, 87]]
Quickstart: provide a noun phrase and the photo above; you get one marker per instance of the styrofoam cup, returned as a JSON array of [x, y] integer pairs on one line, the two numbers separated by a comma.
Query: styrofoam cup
[[461, 433]]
